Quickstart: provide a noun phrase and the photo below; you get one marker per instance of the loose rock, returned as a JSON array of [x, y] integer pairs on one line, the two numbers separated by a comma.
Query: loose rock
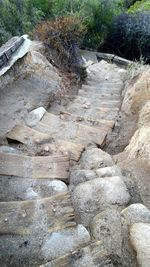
[[35, 116]]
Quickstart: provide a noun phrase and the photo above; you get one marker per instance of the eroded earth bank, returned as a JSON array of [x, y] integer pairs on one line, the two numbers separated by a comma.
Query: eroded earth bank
[[74, 165]]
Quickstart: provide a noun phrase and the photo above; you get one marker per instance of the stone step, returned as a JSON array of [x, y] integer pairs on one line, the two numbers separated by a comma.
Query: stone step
[[16, 189], [100, 90], [91, 102], [27, 217], [105, 84], [61, 110], [100, 96], [34, 167], [105, 78], [44, 142], [75, 132], [87, 120], [93, 254], [96, 113]]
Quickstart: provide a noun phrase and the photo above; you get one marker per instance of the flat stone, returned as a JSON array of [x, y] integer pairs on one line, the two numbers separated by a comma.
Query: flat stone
[[95, 158], [140, 240], [65, 241], [93, 197], [109, 171], [136, 213]]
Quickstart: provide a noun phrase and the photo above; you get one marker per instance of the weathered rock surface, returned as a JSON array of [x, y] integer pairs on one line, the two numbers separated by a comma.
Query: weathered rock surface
[[93, 255], [65, 241], [144, 116], [95, 158], [136, 213], [92, 197], [106, 226], [109, 171], [139, 147], [140, 240], [31, 83], [80, 176], [13, 189], [137, 94]]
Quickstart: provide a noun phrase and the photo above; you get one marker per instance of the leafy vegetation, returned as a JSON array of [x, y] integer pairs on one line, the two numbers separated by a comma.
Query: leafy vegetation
[[118, 26], [139, 6]]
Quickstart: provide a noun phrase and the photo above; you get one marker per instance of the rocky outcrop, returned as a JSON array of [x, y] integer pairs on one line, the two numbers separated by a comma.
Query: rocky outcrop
[[137, 94], [31, 83]]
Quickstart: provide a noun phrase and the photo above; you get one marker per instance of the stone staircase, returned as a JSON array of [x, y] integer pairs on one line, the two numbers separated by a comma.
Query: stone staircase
[[48, 177]]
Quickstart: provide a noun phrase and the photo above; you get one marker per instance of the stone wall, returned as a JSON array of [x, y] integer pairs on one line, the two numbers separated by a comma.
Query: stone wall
[[8, 49]]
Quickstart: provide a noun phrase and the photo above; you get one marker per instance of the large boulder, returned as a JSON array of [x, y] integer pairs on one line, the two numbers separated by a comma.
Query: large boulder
[[93, 197]]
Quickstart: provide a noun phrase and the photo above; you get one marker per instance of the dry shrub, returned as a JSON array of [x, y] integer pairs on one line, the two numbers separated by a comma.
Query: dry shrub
[[61, 38]]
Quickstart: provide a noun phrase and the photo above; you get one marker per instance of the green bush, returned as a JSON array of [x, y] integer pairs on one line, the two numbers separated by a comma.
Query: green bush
[[130, 36], [139, 6], [17, 17]]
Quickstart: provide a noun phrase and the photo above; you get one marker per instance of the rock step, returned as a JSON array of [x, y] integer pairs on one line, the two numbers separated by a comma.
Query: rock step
[[84, 119], [26, 217], [104, 97], [98, 89], [87, 120], [93, 255], [91, 102], [96, 113], [19, 189], [75, 132], [34, 167], [44, 142], [105, 84], [105, 79]]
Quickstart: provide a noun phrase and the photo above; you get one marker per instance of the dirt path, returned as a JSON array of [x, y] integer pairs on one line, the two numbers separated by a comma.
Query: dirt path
[[61, 195]]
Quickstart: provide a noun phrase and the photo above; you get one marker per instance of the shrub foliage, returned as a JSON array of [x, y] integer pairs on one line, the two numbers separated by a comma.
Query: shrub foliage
[[61, 37], [117, 26]]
